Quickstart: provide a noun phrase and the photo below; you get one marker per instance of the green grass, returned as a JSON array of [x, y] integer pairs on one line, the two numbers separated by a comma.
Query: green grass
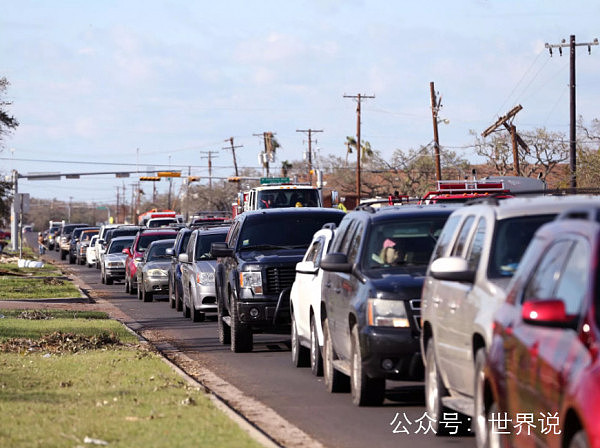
[[86, 324], [125, 396], [12, 287], [48, 270]]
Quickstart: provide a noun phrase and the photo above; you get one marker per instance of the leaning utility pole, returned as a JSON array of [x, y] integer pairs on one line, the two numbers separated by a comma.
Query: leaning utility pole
[[269, 150], [309, 131], [573, 118], [233, 147], [358, 98], [209, 157], [435, 108], [516, 139]]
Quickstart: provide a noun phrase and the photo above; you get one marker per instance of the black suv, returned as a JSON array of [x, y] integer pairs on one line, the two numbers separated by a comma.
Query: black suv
[[370, 296], [256, 268]]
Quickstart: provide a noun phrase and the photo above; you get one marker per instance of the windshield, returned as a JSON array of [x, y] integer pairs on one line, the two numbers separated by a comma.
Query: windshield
[[156, 222], [402, 243], [203, 245], [283, 231], [117, 246], [159, 252], [511, 238], [297, 197]]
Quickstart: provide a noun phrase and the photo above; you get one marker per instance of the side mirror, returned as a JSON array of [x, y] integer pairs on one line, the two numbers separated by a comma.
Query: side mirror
[[221, 250], [336, 262], [169, 251], [549, 313], [454, 269], [127, 252], [183, 258], [307, 267]]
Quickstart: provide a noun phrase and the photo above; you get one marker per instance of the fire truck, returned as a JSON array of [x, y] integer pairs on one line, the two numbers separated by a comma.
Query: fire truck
[[277, 193], [500, 187], [154, 213]]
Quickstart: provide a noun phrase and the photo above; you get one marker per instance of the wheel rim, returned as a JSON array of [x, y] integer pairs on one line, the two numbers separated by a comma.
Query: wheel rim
[[356, 372], [432, 387]]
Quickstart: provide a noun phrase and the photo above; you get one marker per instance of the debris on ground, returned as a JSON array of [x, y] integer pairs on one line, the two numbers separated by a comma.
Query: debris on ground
[[59, 342], [35, 315]]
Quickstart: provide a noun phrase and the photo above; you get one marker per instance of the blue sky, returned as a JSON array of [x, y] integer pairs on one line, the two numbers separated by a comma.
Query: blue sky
[[150, 82]]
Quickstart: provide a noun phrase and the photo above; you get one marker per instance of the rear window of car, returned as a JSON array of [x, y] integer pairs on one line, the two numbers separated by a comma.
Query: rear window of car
[[511, 238]]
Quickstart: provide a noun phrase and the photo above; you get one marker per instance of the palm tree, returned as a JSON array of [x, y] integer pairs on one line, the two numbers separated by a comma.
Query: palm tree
[[365, 147]]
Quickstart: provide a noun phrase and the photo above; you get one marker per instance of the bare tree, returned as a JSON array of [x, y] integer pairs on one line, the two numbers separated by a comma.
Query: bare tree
[[8, 123]]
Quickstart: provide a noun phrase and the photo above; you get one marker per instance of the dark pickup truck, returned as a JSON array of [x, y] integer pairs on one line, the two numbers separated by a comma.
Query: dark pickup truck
[[256, 267]]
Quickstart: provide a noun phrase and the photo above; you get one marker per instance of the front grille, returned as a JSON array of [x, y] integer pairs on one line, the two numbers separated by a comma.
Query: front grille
[[415, 308], [280, 278]]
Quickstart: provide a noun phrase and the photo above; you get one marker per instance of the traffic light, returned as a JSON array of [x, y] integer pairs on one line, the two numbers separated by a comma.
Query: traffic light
[[233, 179], [193, 178], [168, 174], [150, 178]]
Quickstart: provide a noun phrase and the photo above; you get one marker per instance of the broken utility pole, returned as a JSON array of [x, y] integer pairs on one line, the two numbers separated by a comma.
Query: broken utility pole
[[309, 131], [516, 139]]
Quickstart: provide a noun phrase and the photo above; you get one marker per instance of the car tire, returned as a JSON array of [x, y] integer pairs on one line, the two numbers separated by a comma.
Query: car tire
[[71, 259], [139, 294], [147, 296], [197, 315], [241, 334], [365, 391], [300, 354], [171, 294], [63, 255], [335, 381], [479, 422], [102, 278], [434, 391], [223, 330], [186, 309], [178, 299], [108, 280], [132, 290], [316, 359], [579, 440], [126, 285]]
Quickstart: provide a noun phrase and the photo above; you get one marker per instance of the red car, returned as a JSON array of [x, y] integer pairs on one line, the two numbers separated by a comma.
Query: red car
[[541, 386], [136, 252]]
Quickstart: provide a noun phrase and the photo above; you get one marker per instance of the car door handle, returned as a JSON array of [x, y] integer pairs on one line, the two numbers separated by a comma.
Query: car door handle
[[337, 290], [453, 306], [436, 300], [328, 285]]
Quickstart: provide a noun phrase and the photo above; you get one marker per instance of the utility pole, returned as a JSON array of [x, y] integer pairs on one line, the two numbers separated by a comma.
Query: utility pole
[[268, 153], [209, 157], [309, 132], [118, 208], [516, 139], [435, 108], [358, 98], [573, 117], [233, 148]]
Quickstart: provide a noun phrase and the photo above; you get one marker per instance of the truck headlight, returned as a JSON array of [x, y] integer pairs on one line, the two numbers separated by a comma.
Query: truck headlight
[[387, 313], [205, 278], [157, 273], [252, 280]]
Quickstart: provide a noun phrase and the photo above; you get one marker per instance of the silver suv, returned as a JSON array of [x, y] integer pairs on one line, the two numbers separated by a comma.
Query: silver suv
[[475, 257]]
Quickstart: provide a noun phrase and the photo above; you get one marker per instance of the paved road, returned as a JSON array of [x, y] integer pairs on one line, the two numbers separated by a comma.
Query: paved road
[[268, 375]]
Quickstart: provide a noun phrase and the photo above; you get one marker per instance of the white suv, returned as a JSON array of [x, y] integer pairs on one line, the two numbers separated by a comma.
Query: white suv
[[305, 304], [475, 257]]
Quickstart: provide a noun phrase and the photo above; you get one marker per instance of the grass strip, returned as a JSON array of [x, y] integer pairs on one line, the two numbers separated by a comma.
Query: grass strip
[[123, 395], [13, 268], [30, 288]]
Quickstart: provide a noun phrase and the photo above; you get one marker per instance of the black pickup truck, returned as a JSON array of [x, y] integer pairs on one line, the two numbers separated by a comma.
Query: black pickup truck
[[256, 267]]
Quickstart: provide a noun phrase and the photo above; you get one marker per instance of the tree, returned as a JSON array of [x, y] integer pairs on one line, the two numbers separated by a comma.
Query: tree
[[366, 150], [417, 169], [545, 151], [8, 123]]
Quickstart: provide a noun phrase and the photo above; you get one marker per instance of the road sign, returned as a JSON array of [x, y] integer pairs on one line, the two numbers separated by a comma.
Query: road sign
[[274, 180]]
